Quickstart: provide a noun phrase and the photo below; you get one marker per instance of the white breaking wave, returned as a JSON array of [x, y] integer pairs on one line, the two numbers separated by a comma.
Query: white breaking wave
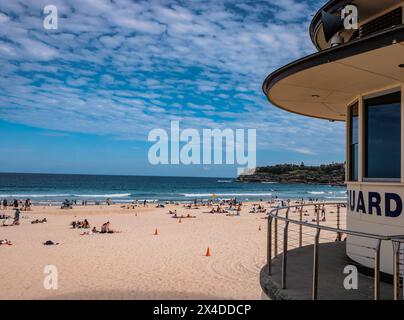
[[113, 195], [316, 192], [336, 197], [196, 195], [34, 195]]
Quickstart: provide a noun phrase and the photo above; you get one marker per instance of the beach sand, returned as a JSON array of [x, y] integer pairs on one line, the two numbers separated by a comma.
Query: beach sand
[[135, 264]]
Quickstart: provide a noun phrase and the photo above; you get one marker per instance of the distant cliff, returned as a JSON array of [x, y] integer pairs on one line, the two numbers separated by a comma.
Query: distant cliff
[[331, 174]]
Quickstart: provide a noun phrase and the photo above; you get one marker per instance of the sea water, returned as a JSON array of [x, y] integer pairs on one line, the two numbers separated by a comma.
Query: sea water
[[122, 189]]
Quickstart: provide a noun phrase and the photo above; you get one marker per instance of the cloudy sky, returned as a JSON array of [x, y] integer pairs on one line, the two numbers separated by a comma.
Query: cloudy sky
[[83, 98]]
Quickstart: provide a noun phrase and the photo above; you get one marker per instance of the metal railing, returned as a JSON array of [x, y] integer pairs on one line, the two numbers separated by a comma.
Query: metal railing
[[273, 234]]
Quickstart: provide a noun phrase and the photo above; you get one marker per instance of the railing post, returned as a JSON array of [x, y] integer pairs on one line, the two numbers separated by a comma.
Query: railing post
[[285, 254], [269, 245], [315, 265], [377, 271], [396, 269], [301, 227], [338, 222], [276, 234]]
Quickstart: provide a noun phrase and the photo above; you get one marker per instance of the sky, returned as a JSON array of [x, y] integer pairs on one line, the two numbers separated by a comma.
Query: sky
[[83, 98]]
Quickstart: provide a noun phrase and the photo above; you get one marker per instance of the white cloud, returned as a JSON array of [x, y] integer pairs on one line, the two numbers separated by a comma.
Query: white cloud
[[123, 67]]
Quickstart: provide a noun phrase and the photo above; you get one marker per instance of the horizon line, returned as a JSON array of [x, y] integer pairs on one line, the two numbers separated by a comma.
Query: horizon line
[[114, 175]]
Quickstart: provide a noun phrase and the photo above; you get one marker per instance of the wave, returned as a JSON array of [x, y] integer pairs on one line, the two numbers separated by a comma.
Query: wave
[[336, 197], [197, 195], [225, 181], [316, 192], [112, 195], [34, 195]]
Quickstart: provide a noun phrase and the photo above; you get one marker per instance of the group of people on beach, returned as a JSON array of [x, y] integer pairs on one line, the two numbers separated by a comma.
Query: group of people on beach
[[105, 228], [258, 209], [16, 220], [176, 216], [80, 224], [17, 204]]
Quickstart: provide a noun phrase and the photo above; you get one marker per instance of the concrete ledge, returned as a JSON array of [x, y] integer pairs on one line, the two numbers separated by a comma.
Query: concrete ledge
[[332, 261]]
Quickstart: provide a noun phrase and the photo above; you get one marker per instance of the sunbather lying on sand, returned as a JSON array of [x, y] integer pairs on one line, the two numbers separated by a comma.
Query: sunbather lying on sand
[[14, 223], [218, 210], [89, 233], [39, 221], [188, 216], [5, 242]]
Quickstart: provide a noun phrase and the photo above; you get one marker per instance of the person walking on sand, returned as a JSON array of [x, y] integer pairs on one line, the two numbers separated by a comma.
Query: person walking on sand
[[17, 217]]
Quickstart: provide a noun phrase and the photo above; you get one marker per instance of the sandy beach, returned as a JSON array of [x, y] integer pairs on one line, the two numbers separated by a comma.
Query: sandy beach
[[136, 263]]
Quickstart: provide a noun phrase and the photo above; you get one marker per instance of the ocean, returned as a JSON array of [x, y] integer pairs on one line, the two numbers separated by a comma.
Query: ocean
[[122, 189]]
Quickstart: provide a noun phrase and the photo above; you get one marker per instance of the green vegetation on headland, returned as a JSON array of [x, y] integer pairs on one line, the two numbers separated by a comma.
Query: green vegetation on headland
[[330, 174]]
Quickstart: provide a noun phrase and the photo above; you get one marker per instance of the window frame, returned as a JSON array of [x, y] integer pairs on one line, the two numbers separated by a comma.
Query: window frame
[[350, 167], [364, 133]]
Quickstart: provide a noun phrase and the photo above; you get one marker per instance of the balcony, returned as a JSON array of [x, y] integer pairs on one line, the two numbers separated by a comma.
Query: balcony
[[307, 257]]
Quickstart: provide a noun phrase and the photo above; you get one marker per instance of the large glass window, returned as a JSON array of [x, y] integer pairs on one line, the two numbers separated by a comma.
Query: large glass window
[[353, 142], [383, 137]]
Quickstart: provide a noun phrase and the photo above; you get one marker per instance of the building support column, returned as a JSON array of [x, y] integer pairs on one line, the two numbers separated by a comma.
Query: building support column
[[361, 142]]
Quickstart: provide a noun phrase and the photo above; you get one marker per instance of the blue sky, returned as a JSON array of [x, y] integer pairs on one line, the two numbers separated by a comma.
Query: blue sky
[[83, 98]]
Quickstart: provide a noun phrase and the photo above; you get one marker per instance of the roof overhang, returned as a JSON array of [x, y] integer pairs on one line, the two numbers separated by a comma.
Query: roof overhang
[[323, 84]]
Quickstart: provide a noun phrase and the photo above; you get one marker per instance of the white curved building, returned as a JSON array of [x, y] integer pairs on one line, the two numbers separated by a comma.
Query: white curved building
[[357, 76]]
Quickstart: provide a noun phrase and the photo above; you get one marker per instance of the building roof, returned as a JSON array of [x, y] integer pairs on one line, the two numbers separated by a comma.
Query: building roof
[[367, 9], [323, 84]]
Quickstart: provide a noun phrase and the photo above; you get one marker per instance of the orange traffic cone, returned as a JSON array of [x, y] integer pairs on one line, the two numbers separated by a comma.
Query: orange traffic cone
[[156, 232], [208, 252]]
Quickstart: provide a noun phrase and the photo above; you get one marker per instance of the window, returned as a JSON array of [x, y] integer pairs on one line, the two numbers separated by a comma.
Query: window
[[353, 142], [383, 137]]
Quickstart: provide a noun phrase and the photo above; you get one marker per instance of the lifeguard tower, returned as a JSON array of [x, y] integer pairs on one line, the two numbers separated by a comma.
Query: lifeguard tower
[[357, 76]]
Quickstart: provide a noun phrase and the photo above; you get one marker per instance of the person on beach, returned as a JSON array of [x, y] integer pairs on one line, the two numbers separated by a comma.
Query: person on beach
[[238, 209], [86, 224], [105, 228], [15, 203], [5, 242], [5, 204], [28, 204], [17, 217], [323, 213]]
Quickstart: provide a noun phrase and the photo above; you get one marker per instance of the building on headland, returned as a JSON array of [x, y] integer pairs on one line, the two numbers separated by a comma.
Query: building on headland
[[357, 76]]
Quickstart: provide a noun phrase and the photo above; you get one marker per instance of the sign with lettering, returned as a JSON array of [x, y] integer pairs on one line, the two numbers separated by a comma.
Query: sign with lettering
[[375, 203]]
